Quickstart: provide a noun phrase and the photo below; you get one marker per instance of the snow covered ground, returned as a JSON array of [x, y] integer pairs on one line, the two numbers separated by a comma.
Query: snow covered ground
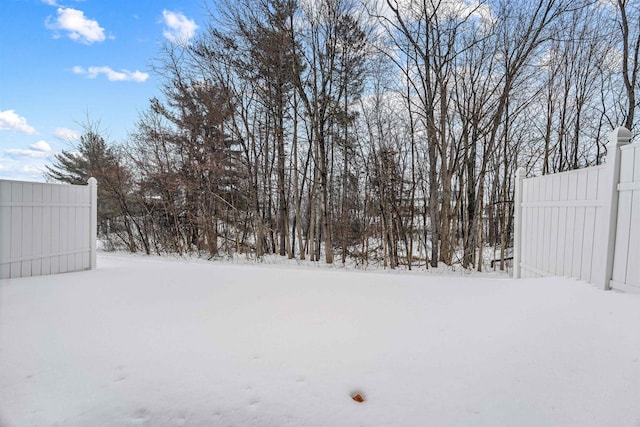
[[156, 342]]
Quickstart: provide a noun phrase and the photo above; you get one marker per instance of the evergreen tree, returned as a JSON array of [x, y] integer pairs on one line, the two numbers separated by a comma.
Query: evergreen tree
[[118, 207], [91, 157]]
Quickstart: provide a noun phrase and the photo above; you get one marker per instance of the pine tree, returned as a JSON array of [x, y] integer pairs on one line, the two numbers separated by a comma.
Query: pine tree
[[117, 205], [91, 157]]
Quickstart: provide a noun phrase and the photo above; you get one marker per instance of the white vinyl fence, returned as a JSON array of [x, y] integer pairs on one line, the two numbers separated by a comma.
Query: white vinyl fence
[[47, 228], [583, 223]]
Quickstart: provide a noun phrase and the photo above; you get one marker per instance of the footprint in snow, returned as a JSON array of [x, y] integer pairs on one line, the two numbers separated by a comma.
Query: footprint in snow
[[119, 374], [140, 415]]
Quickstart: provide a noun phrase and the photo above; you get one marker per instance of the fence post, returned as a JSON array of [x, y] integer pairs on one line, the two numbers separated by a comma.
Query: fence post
[[619, 137], [93, 233], [517, 223]]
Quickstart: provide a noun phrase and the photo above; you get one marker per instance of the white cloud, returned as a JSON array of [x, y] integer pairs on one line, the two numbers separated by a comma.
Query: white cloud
[[21, 170], [42, 146], [112, 75], [411, 10], [179, 28], [607, 4], [67, 134], [38, 150], [9, 120], [21, 152], [50, 2], [78, 27]]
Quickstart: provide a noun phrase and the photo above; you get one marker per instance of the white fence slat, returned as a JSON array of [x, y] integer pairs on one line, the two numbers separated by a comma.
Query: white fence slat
[[55, 233], [16, 227], [527, 242], [588, 242], [36, 232], [578, 239], [80, 218], [46, 230], [27, 192], [626, 166], [555, 225], [64, 233], [633, 253], [569, 243], [528, 226], [601, 230], [36, 243], [5, 191], [563, 225], [71, 229], [27, 237], [93, 221], [561, 254], [5, 229], [622, 237], [548, 225], [76, 231], [636, 162], [5, 241], [554, 239], [543, 254], [573, 186], [27, 230], [535, 232], [86, 237], [540, 196], [79, 243]]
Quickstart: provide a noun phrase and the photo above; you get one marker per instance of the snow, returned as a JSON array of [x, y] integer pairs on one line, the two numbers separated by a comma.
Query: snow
[[158, 342]]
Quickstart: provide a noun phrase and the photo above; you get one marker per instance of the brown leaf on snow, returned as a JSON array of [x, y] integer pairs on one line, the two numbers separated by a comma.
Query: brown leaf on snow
[[358, 398]]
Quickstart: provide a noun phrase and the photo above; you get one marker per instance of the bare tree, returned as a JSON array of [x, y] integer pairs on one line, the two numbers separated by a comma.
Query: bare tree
[[629, 22]]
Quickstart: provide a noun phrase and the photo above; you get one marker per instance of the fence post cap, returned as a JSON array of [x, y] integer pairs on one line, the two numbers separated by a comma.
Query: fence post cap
[[92, 181], [620, 136], [520, 172]]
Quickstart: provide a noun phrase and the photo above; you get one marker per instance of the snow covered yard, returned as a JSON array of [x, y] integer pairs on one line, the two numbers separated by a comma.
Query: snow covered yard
[[145, 341]]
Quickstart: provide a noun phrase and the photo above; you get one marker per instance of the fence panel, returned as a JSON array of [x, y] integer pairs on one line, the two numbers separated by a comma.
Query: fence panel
[[583, 223], [626, 265], [46, 228], [561, 213]]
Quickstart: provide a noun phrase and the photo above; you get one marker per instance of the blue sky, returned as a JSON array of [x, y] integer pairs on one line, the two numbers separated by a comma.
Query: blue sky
[[62, 61]]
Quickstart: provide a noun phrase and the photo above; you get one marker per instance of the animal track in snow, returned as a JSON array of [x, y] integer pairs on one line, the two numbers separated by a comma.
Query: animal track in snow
[[140, 415], [119, 374], [181, 420]]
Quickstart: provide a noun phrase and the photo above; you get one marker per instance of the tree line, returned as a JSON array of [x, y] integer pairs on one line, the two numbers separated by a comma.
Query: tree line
[[383, 132]]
